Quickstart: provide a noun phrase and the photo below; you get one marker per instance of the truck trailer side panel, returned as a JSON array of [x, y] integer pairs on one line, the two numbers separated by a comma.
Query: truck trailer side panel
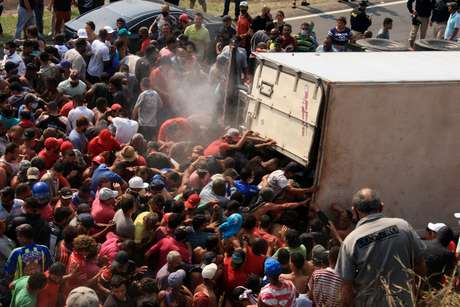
[[399, 138]]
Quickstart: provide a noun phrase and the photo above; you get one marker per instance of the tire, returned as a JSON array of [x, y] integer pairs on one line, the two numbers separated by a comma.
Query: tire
[[436, 45], [379, 44]]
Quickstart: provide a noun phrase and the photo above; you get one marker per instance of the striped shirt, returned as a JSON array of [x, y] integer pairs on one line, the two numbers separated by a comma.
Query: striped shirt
[[325, 287], [283, 295]]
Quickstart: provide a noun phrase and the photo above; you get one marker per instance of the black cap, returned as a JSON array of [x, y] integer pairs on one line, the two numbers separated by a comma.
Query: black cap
[[29, 134], [66, 193], [363, 3]]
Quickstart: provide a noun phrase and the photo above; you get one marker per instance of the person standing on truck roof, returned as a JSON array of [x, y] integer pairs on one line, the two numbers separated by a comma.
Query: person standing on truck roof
[[377, 255], [420, 18], [453, 24]]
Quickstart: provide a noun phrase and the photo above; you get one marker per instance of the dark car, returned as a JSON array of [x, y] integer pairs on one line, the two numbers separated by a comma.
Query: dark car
[[137, 13]]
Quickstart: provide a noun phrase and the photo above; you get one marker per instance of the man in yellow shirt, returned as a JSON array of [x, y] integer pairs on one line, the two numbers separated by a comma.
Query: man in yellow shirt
[[199, 36]]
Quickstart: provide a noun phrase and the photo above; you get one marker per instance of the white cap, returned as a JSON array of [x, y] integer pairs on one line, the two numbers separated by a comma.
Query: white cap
[[209, 271], [232, 132], [244, 3], [106, 194], [82, 33], [457, 215], [109, 29], [436, 226], [137, 183]]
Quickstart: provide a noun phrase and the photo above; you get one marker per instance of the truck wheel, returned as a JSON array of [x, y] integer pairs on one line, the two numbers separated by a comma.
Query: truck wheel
[[436, 45], [379, 44]]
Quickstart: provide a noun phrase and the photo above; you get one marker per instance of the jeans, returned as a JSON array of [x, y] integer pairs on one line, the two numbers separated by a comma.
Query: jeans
[[25, 19], [38, 10], [227, 7]]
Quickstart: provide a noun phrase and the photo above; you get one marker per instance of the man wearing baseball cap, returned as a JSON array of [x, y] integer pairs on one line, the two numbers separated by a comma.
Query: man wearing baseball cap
[[204, 292], [277, 292], [103, 206]]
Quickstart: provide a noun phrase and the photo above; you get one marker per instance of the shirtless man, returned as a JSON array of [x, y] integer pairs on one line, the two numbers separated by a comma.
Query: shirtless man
[[298, 275]]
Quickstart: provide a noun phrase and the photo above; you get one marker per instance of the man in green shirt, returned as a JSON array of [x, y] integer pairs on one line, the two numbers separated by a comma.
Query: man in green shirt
[[199, 36], [25, 290]]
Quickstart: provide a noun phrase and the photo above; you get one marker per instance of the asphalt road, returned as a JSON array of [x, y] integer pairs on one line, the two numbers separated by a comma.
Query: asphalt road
[[378, 11]]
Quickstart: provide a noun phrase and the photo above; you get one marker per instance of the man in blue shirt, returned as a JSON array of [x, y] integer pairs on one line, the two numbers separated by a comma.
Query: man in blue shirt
[[102, 171], [244, 185], [453, 24], [30, 258]]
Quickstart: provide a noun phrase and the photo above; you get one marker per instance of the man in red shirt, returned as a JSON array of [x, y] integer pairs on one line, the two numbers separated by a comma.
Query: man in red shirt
[[176, 129], [230, 141], [103, 142], [170, 243], [234, 270], [288, 43], [50, 153], [243, 26], [52, 295]]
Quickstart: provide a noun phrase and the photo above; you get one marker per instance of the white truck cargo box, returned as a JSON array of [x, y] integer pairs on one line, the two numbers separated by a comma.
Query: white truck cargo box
[[388, 121]]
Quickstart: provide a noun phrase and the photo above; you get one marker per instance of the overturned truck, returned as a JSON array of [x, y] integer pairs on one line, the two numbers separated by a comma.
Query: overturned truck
[[389, 121]]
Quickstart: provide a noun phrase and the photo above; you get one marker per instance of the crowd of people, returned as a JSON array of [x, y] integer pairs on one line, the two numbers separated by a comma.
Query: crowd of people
[[122, 186]]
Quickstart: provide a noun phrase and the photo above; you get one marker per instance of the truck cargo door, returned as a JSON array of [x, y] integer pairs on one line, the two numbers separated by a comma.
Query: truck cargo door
[[284, 105]]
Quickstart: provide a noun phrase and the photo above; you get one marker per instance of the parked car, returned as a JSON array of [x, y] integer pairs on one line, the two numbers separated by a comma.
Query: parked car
[[137, 13]]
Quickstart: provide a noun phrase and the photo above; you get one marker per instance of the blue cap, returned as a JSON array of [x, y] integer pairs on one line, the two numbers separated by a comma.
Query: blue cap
[[157, 183], [41, 190], [231, 226], [272, 267]]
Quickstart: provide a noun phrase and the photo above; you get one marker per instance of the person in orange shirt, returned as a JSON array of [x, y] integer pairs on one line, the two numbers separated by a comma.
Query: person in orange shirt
[[243, 26], [52, 294]]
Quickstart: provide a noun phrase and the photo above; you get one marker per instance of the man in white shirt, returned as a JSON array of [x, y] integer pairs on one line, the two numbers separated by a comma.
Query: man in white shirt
[[100, 58], [125, 128], [78, 111], [75, 57], [12, 56]]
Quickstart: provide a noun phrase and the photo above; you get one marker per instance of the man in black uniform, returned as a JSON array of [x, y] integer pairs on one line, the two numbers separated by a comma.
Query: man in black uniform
[[420, 18], [359, 19]]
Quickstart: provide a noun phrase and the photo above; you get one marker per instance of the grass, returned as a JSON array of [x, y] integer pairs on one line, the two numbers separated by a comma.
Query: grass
[[9, 24]]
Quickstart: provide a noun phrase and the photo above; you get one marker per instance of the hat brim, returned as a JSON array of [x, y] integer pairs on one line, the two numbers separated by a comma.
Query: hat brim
[[457, 215], [144, 186], [33, 177]]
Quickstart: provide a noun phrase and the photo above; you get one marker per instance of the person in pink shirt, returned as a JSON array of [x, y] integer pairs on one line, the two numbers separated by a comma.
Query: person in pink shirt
[[102, 209], [170, 243]]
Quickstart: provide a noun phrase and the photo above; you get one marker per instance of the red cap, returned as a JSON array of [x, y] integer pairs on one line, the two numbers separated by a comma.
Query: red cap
[[66, 145], [192, 201], [52, 143], [98, 159], [105, 137], [184, 18], [116, 107]]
